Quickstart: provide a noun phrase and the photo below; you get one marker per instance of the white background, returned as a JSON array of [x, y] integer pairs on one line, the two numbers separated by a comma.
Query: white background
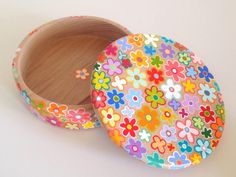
[[31, 148]]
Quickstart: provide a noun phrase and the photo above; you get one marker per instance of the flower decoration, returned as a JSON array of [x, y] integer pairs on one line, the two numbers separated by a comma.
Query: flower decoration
[[191, 103], [100, 81], [207, 93], [184, 146], [115, 98], [112, 67], [198, 122], [109, 117], [78, 116], [129, 127], [119, 83], [116, 137], [137, 78], [178, 160], [155, 160], [155, 97], [184, 58], [203, 147], [174, 70], [134, 98], [82, 74], [111, 50], [167, 51], [158, 144], [189, 86], [171, 90], [191, 72], [218, 127], [57, 110], [207, 113], [204, 73], [151, 39], [124, 45], [149, 50], [155, 75], [135, 148], [168, 133], [139, 58], [157, 61], [98, 99], [167, 115], [220, 110], [144, 135], [136, 40], [53, 121]]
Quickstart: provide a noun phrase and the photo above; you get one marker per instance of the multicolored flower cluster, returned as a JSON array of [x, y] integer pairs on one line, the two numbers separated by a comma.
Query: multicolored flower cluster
[[158, 101]]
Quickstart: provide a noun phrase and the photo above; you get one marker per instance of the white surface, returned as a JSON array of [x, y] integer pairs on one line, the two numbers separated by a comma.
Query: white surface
[[31, 148]]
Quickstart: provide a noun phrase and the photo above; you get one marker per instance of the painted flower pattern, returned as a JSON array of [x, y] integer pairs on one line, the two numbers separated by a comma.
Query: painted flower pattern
[[162, 105]]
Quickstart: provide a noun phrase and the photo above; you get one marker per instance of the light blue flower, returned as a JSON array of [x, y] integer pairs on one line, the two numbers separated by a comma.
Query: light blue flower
[[168, 133], [178, 160], [134, 98], [155, 160], [149, 50], [124, 44], [127, 112], [26, 97], [191, 72], [203, 147]]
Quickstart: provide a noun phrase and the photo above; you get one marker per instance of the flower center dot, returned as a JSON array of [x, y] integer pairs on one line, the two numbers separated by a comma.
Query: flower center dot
[[136, 77], [109, 116], [129, 127], [148, 117], [156, 76], [174, 70], [100, 81]]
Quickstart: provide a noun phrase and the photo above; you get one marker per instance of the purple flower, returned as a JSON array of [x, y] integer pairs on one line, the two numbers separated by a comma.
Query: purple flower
[[168, 133], [167, 51], [135, 148], [191, 103], [112, 67], [174, 104]]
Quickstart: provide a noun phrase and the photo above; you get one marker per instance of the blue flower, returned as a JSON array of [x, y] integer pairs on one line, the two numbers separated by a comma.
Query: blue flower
[[121, 55], [134, 98], [26, 97], [149, 50], [174, 104], [166, 40], [168, 133], [191, 72], [115, 98], [184, 146], [124, 44], [178, 160], [203, 147], [155, 160], [204, 73]]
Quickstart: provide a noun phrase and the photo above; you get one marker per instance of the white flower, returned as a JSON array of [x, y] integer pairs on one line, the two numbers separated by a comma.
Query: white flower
[[144, 135], [136, 77], [127, 112], [207, 93], [171, 90], [151, 39], [196, 59], [119, 83]]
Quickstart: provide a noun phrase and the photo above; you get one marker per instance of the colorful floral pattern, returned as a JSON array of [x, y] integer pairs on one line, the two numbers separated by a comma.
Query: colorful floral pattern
[[160, 102]]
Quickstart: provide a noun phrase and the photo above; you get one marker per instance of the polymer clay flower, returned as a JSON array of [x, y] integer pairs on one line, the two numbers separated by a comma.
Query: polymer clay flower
[[204, 73], [57, 110], [220, 110], [184, 58], [168, 133], [136, 77], [135, 39], [115, 98], [167, 51], [111, 50], [78, 116], [109, 117], [207, 113], [186, 130], [88, 124], [144, 135], [206, 133], [129, 127], [178, 160], [116, 137], [134, 98], [40, 106], [191, 103], [82, 74], [26, 97], [207, 93], [138, 58], [122, 55], [127, 112], [218, 127], [195, 158], [154, 96], [155, 160], [198, 123], [171, 90], [100, 81], [155, 75], [174, 104], [98, 99], [148, 118], [124, 45], [151, 39], [135, 148], [196, 59], [167, 114], [191, 72], [174, 70], [189, 86], [203, 147], [184, 146], [126, 63], [72, 126], [118, 83], [149, 50], [158, 144], [156, 61], [53, 121], [112, 67]]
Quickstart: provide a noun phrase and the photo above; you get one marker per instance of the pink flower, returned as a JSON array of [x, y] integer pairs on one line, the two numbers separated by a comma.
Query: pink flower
[[112, 67], [191, 103], [174, 70], [187, 130], [54, 121], [196, 59], [79, 116], [111, 50]]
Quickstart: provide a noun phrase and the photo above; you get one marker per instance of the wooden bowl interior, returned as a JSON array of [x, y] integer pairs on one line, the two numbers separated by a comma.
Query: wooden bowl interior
[[57, 50]]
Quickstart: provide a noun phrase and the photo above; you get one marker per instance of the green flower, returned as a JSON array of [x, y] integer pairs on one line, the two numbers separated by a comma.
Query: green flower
[[155, 97], [197, 122], [155, 160], [157, 61], [97, 66], [220, 111], [206, 133], [184, 58]]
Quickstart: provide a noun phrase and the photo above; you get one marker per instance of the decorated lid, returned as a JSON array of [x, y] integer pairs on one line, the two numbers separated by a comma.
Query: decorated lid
[[158, 101]]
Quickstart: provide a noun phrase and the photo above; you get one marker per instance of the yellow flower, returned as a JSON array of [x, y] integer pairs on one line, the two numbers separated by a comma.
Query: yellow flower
[[72, 126], [167, 115], [88, 124], [100, 80], [188, 86], [109, 117], [195, 158], [139, 58], [116, 137]]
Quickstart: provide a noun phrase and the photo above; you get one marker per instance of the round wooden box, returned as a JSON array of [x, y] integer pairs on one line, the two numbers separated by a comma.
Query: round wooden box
[[53, 64]]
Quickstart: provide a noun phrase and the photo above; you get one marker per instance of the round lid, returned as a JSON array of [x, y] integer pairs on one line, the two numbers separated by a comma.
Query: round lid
[[158, 101]]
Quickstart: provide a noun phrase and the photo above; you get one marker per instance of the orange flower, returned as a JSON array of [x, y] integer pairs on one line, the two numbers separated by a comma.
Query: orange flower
[[116, 137], [82, 74], [158, 144], [167, 115], [139, 58], [57, 110], [101, 57], [148, 118], [218, 127], [135, 39]]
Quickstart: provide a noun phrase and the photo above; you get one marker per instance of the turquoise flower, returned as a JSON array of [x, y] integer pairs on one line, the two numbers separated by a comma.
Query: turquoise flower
[[26, 97], [155, 160], [184, 146], [203, 147]]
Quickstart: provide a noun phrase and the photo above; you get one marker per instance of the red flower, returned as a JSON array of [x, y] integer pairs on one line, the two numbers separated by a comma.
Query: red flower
[[174, 70], [98, 99], [180, 46], [126, 63], [129, 127], [155, 75], [111, 50], [207, 114], [218, 127]]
